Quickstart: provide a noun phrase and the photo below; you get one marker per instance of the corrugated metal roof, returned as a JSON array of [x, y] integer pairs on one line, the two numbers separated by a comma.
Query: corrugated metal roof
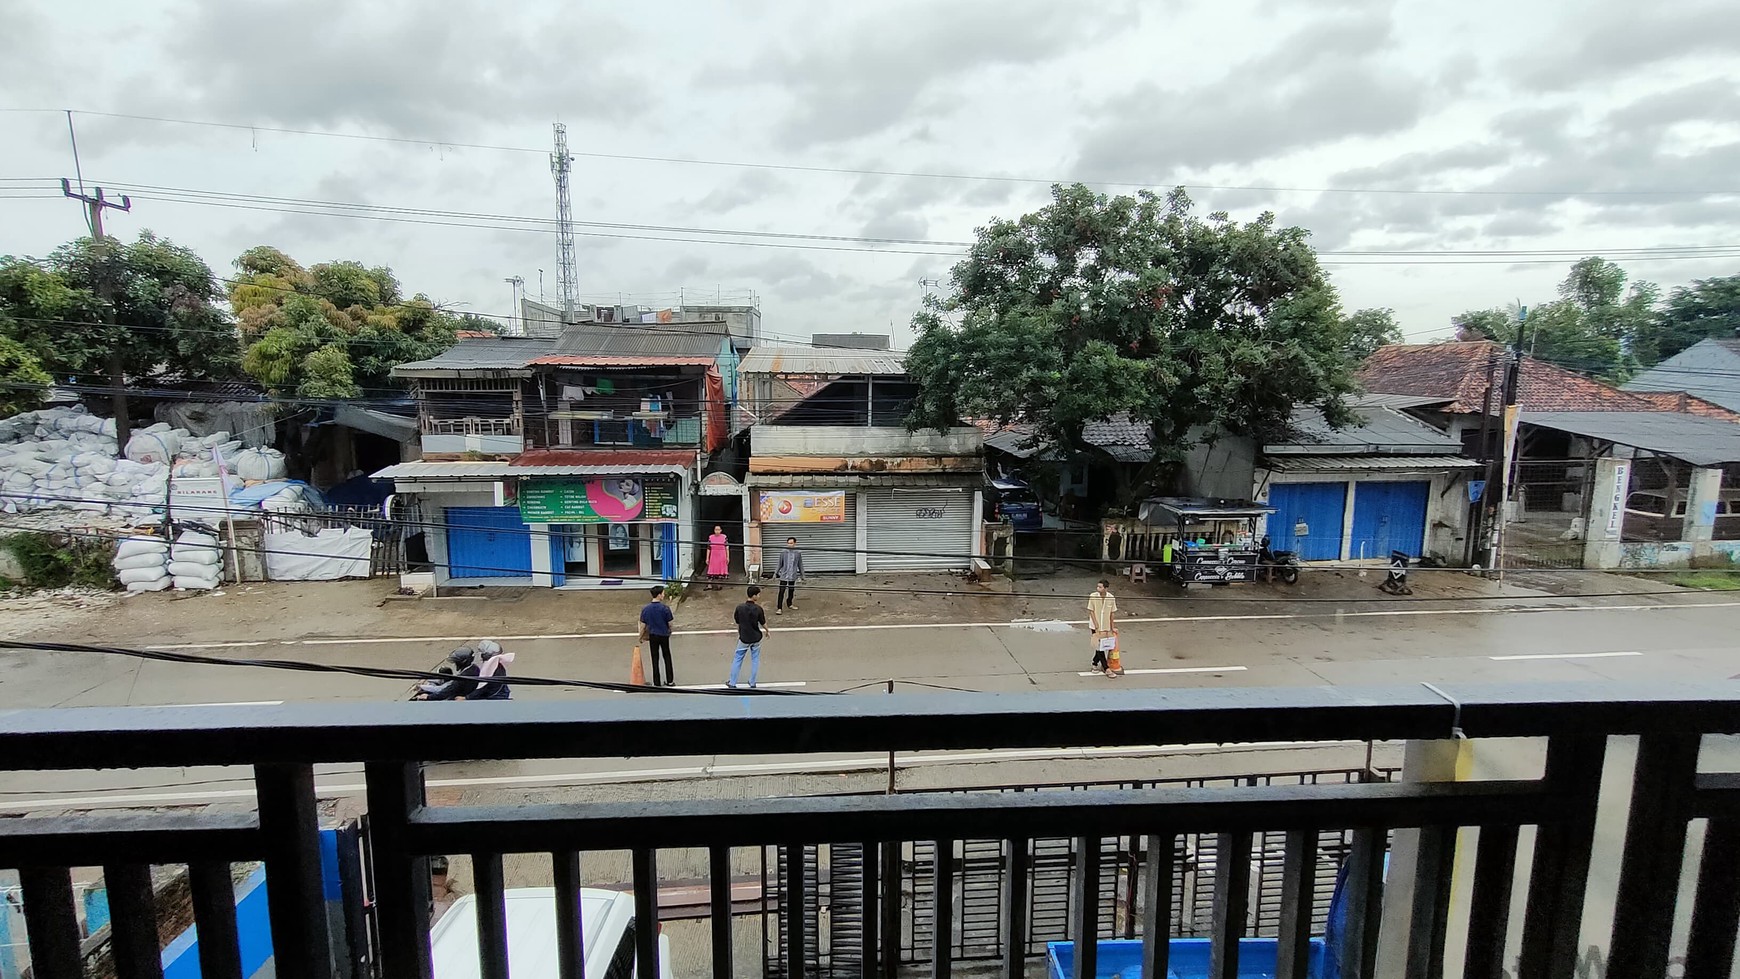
[[851, 481], [500, 470], [1400, 402], [603, 457], [1709, 369], [1378, 430], [1693, 438], [612, 360], [1384, 464], [482, 354], [1021, 445], [1117, 430], [661, 340], [826, 361]]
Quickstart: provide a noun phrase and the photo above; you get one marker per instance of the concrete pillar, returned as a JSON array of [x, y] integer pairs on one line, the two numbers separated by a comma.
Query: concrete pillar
[[541, 565], [863, 501], [1700, 523], [1612, 484], [1422, 761], [978, 523], [1347, 551]]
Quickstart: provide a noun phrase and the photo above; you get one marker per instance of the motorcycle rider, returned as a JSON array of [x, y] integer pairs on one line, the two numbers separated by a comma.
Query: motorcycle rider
[[462, 686], [491, 672]]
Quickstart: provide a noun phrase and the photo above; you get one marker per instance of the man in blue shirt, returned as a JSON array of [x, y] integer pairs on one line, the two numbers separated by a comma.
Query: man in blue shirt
[[655, 621]]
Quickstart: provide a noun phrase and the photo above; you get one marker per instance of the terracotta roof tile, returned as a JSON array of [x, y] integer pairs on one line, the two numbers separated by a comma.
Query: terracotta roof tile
[[1458, 370]]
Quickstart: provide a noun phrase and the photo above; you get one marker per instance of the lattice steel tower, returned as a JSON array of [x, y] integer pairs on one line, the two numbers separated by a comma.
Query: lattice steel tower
[[561, 161]]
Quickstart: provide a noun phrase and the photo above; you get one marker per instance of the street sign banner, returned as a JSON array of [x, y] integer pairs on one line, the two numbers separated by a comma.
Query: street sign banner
[[828, 506], [1476, 490], [614, 500]]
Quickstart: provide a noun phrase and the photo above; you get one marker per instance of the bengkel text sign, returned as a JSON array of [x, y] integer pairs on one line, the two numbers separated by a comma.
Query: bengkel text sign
[[825, 507]]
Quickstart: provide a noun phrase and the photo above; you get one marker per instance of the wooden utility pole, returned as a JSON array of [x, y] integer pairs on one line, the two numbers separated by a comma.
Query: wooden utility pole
[[97, 202]]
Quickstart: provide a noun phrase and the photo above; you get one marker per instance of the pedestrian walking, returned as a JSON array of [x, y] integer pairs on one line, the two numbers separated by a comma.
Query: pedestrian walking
[[1102, 623], [790, 569], [751, 625], [655, 627], [718, 558]]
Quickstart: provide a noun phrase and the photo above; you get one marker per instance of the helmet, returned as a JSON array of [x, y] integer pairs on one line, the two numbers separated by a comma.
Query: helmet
[[488, 647], [462, 656]]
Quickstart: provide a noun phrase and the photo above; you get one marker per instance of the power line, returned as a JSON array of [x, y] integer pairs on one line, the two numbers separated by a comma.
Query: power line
[[873, 172]]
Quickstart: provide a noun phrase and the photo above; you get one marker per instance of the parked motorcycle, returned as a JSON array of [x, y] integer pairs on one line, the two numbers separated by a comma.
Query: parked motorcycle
[[1277, 564]]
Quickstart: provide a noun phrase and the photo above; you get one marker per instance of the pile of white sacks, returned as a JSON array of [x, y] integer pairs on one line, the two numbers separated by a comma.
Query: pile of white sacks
[[142, 564], [193, 563], [68, 458], [196, 562]]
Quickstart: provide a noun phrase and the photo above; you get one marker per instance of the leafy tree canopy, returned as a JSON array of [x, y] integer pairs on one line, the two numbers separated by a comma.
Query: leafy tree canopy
[[333, 330], [1596, 326], [23, 382], [1368, 329], [166, 312], [1095, 306], [1706, 309]]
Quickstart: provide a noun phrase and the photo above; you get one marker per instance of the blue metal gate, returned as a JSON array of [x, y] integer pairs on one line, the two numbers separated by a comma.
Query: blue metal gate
[[1389, 517], [1317, 509], [487, 542]]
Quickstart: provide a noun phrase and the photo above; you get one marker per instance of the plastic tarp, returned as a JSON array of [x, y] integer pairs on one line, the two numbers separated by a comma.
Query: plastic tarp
[[327, 556], [251, 421]]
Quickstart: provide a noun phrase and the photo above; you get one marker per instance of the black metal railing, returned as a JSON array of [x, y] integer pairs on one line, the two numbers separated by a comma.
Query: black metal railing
[[282, 744]]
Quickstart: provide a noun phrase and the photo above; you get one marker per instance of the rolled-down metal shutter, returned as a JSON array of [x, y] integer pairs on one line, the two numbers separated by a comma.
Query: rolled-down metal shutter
[[920, 528], [826, 546]]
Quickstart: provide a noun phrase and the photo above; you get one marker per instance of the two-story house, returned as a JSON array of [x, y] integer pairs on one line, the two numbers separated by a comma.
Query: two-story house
[[569, 461], [832, 464]]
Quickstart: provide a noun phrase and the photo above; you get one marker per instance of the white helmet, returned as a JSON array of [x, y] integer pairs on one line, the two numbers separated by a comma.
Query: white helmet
[[488, 647]]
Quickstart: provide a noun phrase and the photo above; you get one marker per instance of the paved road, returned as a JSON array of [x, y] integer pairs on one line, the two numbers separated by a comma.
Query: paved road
[[1686, 636]]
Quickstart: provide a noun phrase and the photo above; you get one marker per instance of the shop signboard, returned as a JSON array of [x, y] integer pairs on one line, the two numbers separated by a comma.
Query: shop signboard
[[828, 506], [614, 499]]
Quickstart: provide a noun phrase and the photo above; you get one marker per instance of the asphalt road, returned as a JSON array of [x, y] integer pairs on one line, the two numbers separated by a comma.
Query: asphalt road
[[1679, 636]]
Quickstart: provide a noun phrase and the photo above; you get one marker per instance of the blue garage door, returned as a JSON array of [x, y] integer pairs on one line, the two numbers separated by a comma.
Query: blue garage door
[[1389, 517], [1320, 507], [487, 542]]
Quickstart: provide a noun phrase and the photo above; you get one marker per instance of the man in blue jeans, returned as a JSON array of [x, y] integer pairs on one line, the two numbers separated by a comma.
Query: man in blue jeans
[[751, 624], [655, 621]]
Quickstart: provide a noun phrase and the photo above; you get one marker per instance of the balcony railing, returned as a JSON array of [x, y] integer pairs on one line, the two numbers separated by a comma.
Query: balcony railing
[[471, 425], [1668, 795]]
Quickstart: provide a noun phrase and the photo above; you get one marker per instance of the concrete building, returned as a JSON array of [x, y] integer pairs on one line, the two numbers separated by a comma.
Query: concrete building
[[838, 470], [568, 462]]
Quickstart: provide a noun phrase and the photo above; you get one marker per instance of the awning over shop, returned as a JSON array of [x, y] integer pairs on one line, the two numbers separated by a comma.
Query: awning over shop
[[856, 480], [1353, 465], [1695, 439], [428, 471]]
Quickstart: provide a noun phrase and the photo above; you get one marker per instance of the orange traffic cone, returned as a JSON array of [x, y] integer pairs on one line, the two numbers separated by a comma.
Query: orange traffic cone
[[1114, 662], [637, 672]]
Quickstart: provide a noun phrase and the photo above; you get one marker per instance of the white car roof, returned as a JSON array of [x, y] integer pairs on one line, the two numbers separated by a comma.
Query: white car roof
[[531, 933]]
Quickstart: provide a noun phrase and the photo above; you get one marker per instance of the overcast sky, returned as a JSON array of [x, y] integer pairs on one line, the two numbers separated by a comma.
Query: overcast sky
[[1618, 119]]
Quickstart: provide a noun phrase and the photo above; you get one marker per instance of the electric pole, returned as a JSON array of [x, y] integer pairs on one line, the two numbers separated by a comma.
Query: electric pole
[[97, 202], [1509, 435], [516, 318], [561, 161]]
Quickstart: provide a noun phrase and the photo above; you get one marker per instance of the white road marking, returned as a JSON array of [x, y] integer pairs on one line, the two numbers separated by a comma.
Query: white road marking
[[1016, 624], [1566, 655], [1175, 669], [742, 686], [866, 763], [233, 703]]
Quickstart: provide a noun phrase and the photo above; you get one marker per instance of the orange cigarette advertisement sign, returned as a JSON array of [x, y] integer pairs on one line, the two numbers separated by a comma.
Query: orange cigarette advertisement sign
[[825, 507]]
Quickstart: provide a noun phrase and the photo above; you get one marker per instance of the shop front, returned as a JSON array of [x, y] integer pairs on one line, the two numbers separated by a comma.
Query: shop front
[[495, 524], [606, 531], [824, 521]]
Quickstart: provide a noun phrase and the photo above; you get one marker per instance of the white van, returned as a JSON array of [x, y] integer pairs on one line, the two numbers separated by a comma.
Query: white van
[[607, 927]]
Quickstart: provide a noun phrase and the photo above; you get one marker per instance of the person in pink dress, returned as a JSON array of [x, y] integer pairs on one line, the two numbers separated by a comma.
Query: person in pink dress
[[718, 558]]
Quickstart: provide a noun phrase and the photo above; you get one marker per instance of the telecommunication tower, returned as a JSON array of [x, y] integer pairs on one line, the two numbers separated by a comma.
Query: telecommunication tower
[[561, 161]]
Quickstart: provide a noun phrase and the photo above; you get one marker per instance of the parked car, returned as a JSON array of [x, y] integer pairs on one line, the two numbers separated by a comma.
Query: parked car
[[1015, 501], [1659, 515], [607, 929]]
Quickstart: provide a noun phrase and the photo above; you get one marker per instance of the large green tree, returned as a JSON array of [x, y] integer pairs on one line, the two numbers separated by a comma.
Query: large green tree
[[166, 316], [333, 330], [1096, 306], [1708, 308], [1597, 326]]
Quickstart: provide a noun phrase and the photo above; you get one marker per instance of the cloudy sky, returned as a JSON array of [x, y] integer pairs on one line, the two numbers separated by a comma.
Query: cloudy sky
[[1517, 135]]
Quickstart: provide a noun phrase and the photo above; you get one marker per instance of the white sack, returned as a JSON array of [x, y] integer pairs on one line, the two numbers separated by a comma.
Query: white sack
[[133, 576], [131, 546], [137, 561], [157, 585], [191, 569]]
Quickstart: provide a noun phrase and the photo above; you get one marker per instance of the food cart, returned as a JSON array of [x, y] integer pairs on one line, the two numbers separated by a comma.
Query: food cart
[[1215, 542]]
